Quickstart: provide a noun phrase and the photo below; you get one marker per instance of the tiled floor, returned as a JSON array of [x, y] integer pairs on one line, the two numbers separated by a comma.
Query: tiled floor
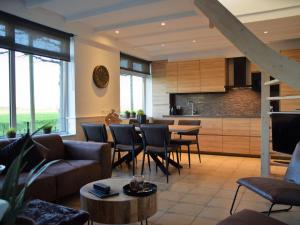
[[203, 194]]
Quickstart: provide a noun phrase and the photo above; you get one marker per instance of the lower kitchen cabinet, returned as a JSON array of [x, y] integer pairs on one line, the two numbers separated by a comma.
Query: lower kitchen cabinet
[[236, 144], [210, 143]]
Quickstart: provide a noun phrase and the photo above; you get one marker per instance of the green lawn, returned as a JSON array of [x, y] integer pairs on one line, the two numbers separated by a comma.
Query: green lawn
[[22, 119]]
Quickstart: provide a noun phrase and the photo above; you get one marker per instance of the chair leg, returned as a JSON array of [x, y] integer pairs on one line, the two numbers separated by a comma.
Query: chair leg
[[133, 162], [189, 155], [113, 158], [234, 199], [143, 163], [149, 165], [268, 212], [180, 152], [167, 166], [178, 168], [198, 149]]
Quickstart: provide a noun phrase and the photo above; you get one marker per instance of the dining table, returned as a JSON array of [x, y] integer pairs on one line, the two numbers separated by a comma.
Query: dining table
[[158, 158]]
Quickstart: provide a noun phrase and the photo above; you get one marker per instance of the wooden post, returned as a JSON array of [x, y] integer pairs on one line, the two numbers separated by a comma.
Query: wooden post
[[265, 123]]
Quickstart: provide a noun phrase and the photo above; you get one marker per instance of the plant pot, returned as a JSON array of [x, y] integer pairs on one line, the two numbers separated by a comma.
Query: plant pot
[[141, 119], [127, 115], [47, 130], [11, 135], [132, 115]]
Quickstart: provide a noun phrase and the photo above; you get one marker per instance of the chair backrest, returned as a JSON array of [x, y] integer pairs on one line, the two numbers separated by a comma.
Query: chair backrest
[[166, 122], [190, 123], [124, 134], [157, 135], [94, 132], [293, 172]]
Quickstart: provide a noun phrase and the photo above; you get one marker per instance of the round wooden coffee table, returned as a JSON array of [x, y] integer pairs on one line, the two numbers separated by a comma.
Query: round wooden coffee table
[[119, 209]]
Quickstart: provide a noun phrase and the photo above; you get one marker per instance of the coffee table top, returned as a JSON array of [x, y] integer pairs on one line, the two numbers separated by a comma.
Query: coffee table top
[[118, 209]]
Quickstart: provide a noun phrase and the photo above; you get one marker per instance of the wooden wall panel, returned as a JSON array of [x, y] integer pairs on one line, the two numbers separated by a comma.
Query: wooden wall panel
[[236, 126], [285, 90], [213, 74], [210, 143], [189, 76], [234, 144]]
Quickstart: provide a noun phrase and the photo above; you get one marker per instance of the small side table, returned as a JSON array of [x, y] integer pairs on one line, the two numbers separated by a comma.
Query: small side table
[[121, 209]]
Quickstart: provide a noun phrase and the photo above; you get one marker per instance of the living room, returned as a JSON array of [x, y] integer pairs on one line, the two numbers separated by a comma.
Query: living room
[[186, 66]]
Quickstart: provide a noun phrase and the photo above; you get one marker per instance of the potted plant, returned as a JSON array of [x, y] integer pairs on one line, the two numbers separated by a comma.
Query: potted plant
[[11, 133], [47, 129], [132, 114], [141, 117], [12, 196], [127, 114]]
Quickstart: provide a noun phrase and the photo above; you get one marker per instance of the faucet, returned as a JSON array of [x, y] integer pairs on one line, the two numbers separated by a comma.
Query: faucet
[[192, 104]]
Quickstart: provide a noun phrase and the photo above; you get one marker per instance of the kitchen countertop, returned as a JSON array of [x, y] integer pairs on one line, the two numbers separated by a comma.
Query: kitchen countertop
[[169, 116]]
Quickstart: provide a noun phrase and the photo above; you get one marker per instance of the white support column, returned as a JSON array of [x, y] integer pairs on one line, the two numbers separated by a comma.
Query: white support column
[[265, 123]]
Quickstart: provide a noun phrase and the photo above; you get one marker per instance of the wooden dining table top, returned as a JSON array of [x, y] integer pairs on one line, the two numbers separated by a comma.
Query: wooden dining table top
[[178, 128]]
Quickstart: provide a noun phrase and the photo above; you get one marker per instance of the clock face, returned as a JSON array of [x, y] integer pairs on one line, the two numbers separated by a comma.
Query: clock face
[[101, 76]]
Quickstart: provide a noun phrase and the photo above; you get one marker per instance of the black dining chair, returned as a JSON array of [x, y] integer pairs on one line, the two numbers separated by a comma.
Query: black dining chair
[[94, 132], [126, 139], [156, 141], [166, 122], [188, 142]]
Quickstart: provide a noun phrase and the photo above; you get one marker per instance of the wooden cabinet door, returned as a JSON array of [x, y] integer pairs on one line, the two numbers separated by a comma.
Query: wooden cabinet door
[[236, 126], [213, 75], [160, 97], [172, 77], [286, 90], [210, 143], [234, 144], [189, 76]]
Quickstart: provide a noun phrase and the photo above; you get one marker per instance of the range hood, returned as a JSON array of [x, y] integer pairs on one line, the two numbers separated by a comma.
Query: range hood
[[239, 73]]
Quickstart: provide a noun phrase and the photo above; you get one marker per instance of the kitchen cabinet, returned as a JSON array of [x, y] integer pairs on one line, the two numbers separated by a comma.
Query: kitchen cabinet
[[236, 144], [210, 143], [286, 90], [172, 77], [189, 76], [213, 75], [236, 126]]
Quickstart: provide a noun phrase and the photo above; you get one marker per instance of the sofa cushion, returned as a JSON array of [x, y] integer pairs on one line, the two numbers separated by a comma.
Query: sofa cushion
[[44, 187], [71, 175], [54, 144], [13, 149]]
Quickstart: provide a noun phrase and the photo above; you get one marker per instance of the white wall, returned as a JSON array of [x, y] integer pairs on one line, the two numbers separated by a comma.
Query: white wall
[[90, 100]]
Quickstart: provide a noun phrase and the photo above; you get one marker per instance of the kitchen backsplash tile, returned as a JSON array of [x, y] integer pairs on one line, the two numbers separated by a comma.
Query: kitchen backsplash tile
[[242, 102]]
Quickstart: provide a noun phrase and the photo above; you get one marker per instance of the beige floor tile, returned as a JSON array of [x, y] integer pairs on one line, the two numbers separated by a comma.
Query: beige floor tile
[[170, 195], [164, 205], [186, 209], [204, 221], [196, 199], [214, 213], [172, 219], [220, 203]]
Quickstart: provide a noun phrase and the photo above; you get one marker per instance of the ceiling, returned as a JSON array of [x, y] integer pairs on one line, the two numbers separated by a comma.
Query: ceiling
[[186, 30]]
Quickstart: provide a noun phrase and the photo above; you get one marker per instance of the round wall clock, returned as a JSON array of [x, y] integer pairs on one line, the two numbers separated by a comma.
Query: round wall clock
[[101, 76]]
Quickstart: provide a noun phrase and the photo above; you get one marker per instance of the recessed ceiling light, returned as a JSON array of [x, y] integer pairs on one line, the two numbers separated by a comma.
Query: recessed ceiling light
[[163, 24], [117, 32], [266, 32], [162, 45], [194, 41]]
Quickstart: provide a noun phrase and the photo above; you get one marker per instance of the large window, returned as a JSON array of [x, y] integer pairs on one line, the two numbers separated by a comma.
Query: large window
[[132, 92], [33, 75], [37, 86]]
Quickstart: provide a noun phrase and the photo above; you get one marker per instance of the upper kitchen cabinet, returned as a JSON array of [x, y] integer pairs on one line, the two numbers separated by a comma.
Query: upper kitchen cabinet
[[159, 83], [172, 77], [213, 75], [285, 90], [189, 76]]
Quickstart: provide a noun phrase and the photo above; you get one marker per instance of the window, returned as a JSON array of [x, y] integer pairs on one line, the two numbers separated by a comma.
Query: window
[[4, 91], [33, 75], [132, 92], [134, 72]]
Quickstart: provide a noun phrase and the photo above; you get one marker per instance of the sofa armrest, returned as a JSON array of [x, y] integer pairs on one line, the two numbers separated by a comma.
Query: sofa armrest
[[101, 152]]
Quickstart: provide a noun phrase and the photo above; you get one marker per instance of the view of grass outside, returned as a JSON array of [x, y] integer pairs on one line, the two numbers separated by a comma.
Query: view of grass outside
[[40, 120]]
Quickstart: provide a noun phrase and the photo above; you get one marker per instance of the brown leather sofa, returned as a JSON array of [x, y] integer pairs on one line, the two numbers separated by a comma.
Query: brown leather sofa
[[82, 162]]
